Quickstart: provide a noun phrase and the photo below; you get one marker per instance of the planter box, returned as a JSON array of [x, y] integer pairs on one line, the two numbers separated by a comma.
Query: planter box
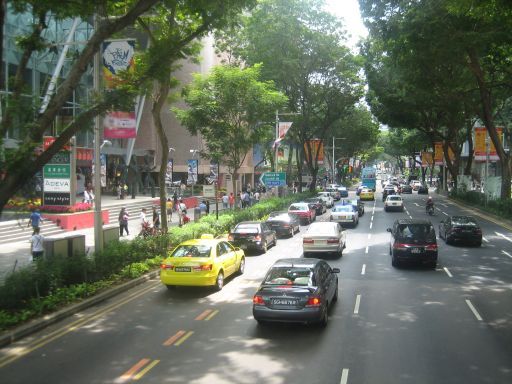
[[77, 220]]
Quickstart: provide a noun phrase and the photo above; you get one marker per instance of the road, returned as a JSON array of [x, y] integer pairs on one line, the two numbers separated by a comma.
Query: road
[[391, 325]]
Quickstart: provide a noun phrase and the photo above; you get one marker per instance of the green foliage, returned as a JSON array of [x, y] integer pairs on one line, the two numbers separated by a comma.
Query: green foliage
[[499, 207]]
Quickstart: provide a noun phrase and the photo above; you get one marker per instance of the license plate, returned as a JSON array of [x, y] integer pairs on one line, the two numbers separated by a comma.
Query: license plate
[[182, 269], [284, 301], [321, 242], [416, 250]]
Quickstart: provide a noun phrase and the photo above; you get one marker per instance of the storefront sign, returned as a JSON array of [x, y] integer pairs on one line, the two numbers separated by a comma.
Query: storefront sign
[[57, 185], [53, 171], [53, 198]]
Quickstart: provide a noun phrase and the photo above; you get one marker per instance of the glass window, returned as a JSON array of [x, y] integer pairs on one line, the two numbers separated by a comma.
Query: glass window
[[247, 228], [289, 276], [195, 250]]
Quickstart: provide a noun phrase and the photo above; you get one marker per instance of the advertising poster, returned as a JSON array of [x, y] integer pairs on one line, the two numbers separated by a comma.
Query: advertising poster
[[168, 171], [426, 159], [118, 56], [317, 146], [438, 153], [480, 152], [193, 165]]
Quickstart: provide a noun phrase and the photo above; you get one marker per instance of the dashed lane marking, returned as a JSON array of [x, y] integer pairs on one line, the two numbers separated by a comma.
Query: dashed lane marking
[[182, 340], [171, 340], [371, 225], [363, 270], [358, 302], [444, 213], [211, 315], [485, 239], [447, 272], [473, 309], [506, 253], [203, 315], [145, 370], [366, 250], [416, 204], [344, 376], [505, 237], [369, 236]]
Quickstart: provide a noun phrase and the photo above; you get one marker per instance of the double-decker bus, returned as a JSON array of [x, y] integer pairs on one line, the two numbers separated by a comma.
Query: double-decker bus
[[368, 175]]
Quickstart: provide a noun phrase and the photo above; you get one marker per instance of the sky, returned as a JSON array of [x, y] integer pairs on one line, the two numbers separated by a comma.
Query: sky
[[349, 11]]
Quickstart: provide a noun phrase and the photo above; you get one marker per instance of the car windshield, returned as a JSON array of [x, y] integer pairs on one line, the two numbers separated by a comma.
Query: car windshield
[[289, 276], [296, 207], [246, 228], [395, 198], [278, 213], [424, 232], [195, 250], [322, 229], [342, 208], [463, 220]]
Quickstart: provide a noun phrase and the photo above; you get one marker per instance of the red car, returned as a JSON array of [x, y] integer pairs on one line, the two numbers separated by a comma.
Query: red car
[[303, 211]]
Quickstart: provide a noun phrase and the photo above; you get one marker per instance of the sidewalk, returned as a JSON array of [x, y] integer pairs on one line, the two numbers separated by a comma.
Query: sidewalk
[[17, 254]]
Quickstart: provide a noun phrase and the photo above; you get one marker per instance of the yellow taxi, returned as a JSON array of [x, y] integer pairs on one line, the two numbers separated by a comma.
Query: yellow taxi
[[367, 194], [202, 262]]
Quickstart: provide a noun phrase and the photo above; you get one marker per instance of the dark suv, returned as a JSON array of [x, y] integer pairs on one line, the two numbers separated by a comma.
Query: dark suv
[[413, 240], [253, 235]]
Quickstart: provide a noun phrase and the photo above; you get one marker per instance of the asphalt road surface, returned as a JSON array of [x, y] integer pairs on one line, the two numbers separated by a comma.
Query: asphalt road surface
[[391, 325]]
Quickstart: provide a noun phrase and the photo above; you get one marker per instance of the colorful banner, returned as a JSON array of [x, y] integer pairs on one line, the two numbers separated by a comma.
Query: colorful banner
[[169, 170], [438, 153], [426, 159], [193, 165], [120, 125], [282, 129], [480, 151], [317, 146], [118, 56]]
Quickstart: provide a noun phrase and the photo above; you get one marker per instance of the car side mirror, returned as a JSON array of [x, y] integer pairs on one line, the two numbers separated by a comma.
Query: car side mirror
[[389, 229], [335, 270]]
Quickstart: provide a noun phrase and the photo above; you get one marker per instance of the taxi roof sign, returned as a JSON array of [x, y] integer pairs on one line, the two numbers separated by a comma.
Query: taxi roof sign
[[207, 236]]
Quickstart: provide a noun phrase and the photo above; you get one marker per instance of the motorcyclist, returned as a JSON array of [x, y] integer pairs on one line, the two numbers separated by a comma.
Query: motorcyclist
[[430, 204]]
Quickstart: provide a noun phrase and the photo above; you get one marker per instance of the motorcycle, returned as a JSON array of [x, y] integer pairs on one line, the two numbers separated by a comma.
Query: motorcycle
[[430, 210]]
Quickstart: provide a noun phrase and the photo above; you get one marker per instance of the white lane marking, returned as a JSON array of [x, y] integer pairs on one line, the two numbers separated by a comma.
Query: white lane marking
[[344, 376], [371, 224], [358, 302], [369, 236], [371, 219], [506, 253], [363, 270], [444, 205], [366, 250], [444, 213], [373, 211], [505, 237], [484, 239], [473, 309], [410, 217], [416, 204], [447, 272]]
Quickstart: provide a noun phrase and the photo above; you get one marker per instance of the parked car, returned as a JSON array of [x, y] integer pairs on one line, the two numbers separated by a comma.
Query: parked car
[[344, 214], [413, 240], [318, 203], [358, 204], [324, 237], [303, 211], [423, 189], [460, 228], [327, 198], [394, 203], [296, 290], [202, 262], [284, 224], [253, 235], [343, 192]]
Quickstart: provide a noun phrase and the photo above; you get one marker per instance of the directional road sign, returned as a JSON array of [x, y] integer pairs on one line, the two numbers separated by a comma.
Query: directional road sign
[[273, 179]]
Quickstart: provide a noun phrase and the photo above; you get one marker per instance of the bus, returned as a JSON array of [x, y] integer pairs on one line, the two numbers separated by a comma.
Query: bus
[[368, 177]]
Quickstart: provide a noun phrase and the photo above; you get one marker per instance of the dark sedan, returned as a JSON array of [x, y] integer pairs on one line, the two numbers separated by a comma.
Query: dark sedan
[[460, 228], [406, 188], [284, 224], [296, 290], [253, 235], [423, 189], [318, 204]]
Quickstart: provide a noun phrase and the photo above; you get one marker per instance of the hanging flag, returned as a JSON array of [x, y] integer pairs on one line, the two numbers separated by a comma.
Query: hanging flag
[[282, 130]]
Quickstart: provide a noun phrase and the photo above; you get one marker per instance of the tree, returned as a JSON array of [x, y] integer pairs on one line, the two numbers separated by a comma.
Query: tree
[[173, 29], [230, 108]]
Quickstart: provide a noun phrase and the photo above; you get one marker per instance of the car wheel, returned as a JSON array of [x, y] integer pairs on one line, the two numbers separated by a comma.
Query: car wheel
[[340, 252], [325, 316], [264, 247], [479, 244], [241, 267], [433, 265], [335, 297], [394, 261], [275, 241], [219, 282], [448, 239]]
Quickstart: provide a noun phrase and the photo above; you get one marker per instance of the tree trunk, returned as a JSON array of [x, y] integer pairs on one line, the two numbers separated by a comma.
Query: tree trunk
[[163, 88]]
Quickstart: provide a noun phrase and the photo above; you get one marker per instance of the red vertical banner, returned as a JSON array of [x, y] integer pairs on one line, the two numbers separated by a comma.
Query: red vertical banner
[[438, 153]]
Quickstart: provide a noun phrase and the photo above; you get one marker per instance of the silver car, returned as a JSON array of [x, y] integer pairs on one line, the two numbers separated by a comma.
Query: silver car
[[324, 237], [345, 214]]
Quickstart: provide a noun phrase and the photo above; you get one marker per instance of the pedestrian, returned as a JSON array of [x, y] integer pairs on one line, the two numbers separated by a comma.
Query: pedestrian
[[182, 212], [144, 223], [202, 207], [225, 201], [231, 200], [175, 201], [123, 222], [207, 207], [242, 199], [35, 220], [257, 197], [169, 207], [247, 199], [36, 244], [156, 218]]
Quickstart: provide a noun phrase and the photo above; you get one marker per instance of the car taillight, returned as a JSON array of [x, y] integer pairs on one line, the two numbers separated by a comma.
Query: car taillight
[[399, 246], [332, 240], [431, 247], [455, 229], [258, 300], [307, 241], [166, 266], [231, 238], [206, 267], [314, 302], [257, 238], [286, 225]]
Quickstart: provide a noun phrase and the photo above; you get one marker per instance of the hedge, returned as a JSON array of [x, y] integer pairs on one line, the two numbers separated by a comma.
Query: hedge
[[499, 207], [54, 282]]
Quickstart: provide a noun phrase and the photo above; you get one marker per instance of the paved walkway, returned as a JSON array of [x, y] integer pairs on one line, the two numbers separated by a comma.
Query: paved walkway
[[17, 254]]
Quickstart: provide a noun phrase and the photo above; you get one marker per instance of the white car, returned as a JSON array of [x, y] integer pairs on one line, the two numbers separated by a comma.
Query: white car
[[324, 237], [394, 202], [345, 214], [415, 184], [326, 198]]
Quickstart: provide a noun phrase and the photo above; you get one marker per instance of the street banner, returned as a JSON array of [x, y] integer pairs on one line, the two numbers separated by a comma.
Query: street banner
[[169, 170], [282, 130], [118, 56], [317, 146], [438, 153], [120, 125], [193, 165], [480, 151], [426, 159]]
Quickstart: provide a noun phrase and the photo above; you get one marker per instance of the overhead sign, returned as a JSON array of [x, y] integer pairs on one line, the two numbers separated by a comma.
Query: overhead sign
[[273, 179], [57, 185]]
